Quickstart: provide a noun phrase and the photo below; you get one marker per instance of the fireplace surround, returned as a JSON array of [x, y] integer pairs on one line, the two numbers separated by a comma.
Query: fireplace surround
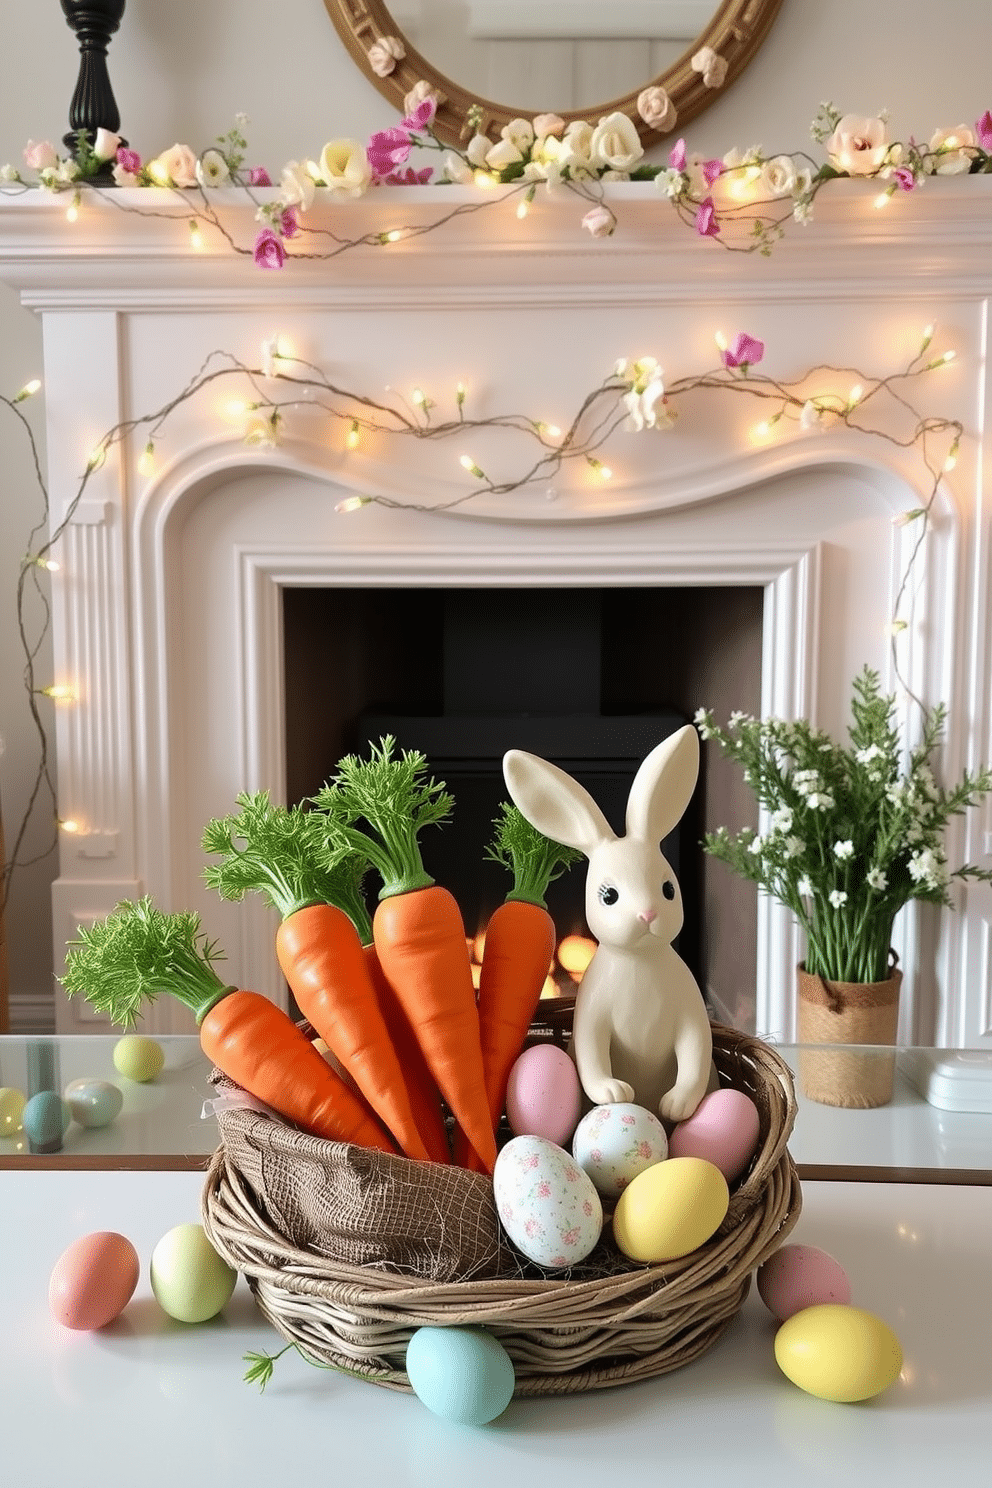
[[167, 615]]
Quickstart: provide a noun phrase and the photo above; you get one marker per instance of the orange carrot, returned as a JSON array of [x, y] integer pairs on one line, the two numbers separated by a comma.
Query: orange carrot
[[417, 928], [138, 953], [519, 946], [425, 1102], [282, 853], [322, 959], [420, 941]]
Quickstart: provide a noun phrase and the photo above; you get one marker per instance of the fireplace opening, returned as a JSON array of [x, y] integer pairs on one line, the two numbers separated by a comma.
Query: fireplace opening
[[590, 678]]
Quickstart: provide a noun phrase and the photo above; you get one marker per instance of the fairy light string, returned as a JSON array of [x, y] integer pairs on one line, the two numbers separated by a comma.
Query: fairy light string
[[634, 397]]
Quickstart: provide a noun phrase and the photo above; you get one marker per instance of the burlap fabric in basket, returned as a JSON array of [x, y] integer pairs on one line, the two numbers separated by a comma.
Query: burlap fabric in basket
[[348, 1252]]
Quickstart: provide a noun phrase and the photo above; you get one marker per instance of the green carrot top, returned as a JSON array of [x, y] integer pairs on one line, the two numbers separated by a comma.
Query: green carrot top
[[533, 859], [283, 852], [139, 952], [396, 800]]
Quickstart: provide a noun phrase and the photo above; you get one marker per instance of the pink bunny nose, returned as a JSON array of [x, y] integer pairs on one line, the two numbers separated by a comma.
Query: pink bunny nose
[[648, 915]]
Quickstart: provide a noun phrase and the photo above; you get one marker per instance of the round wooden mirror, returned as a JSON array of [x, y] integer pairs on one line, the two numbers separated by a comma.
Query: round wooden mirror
[[518, 49]]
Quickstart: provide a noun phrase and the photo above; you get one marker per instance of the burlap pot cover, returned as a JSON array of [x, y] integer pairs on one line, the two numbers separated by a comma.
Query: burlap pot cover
[[348, 1252], [851, 1013]]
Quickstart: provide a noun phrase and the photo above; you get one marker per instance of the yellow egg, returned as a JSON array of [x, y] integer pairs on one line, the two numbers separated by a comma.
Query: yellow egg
[[837, 1352], [670, 1209]]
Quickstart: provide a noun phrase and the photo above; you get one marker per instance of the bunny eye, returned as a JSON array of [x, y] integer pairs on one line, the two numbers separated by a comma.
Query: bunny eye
[[608, 894], [668, 889]]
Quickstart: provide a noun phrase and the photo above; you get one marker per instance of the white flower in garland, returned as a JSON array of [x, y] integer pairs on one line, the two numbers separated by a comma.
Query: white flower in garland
[[343, 168], [858, 146], [954, 150], [843, 850], [615, 144], [296, 186], [212, 169], [838, 898], [877, 880]]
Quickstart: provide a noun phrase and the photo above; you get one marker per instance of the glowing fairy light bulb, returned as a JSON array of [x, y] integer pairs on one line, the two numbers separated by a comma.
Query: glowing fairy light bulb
[[603, 471], [761, 431], [467, 463], [882, 200], [96, 457], [195, 235], [353, 503], [72, 210], [51, 565], [927, 338], [855, 395], [419, 397], [548, 431], [27, 391], [392, 236], [159, 172], [69, 824], [523, 207], [721, 341], [952, 456], [461, 392], [59, 692], [486, 180], [146, 464], [353, 436]]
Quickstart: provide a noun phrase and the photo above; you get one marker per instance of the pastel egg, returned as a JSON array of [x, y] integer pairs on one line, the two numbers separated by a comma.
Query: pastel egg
[[462, 1374], [800, 1276], [138, 1058], [547, 1204], [93, 1281], [670, 1209], [12, 1103], [613, 1143], [45, 1120], [93, 1102], [543, 1094], [838, 1353], [724, 1128], [190, 1280]]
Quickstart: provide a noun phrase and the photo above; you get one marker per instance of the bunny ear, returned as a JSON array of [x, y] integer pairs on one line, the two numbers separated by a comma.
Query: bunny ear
[[663, 786], [553, 802]]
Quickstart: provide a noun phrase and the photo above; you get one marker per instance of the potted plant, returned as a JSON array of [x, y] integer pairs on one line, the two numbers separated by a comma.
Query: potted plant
[[850, 833]]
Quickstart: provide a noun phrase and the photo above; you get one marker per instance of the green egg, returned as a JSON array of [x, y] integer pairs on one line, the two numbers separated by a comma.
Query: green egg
[[12, 1103], [138, 1058], [190, 1280]]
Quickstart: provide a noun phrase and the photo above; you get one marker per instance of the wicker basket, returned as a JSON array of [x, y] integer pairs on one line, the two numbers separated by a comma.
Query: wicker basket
[[565, 1333]]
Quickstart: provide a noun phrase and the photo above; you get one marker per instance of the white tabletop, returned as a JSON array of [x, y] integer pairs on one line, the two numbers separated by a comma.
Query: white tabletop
[[159, 1403]]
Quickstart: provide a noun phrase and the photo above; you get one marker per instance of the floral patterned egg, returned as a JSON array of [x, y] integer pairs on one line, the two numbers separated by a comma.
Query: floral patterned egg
[[614, 1143], [548, 1205]]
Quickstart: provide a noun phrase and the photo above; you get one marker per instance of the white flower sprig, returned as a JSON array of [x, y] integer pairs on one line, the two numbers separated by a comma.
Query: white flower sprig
[[852, 834]]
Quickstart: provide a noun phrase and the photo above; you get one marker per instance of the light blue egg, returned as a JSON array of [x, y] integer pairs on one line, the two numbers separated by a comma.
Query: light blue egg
[[462, 1374], [93, 1102], [45, 1120]]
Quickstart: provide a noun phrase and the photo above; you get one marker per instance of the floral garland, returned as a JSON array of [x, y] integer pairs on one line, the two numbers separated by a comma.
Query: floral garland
[[634, 397], [766, 192]]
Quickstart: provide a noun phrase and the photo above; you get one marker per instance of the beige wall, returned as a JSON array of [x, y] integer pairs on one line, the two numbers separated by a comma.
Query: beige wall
[[181, 69]]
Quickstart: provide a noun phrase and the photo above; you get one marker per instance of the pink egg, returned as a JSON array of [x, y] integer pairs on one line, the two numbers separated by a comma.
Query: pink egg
[[93, 1280], [543, 1095], [724, 1128], [801, 1276]]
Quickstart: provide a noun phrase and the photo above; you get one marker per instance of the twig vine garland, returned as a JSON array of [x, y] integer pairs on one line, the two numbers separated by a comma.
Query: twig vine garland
[[634, 396]]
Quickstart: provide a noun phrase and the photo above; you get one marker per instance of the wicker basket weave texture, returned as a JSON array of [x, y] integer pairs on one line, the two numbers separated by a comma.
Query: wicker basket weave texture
[[604, 1323]]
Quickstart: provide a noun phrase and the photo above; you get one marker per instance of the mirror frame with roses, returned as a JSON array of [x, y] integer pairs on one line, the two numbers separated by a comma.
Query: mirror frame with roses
[[396, 68]]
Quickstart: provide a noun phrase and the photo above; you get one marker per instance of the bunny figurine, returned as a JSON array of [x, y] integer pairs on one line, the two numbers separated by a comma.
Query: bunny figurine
[[641, 1031]]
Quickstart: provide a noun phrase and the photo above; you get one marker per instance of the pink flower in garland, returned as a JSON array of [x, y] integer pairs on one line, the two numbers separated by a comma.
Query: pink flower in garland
[[711, 169], [269, 252], [677, 156], [259, 176], [706, 223], [744, 351], [983, 130], [421, 115], [904, 177], [409, 177], [128, 160], [389, 149], [288, 225]]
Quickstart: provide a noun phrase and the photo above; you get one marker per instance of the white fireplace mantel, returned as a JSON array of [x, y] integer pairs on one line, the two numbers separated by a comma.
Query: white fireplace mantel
[[167, 613]]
